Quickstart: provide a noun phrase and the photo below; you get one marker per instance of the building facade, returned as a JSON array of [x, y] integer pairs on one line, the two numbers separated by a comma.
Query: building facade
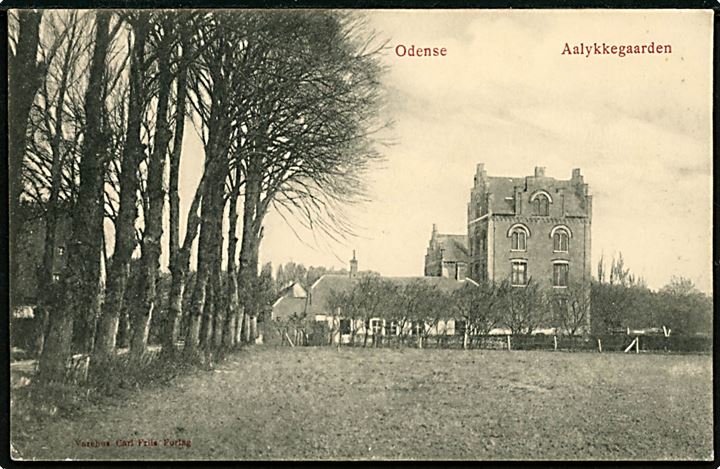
[[534, 227], [314, 304], [447, 255]]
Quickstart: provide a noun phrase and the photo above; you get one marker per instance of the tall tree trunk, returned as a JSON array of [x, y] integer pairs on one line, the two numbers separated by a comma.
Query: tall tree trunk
[[177, 270], [218, 283], [218, 299], [212, 226], [177, 287], [151, 248], [208, 316], [218, 126], [232, 300], [47, 295], [248, 268], [81, 279], [24, 79], [204, 255], [125, 237]]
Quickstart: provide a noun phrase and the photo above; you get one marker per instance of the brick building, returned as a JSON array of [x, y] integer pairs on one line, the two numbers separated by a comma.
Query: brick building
[[447, 255], [529, 227]]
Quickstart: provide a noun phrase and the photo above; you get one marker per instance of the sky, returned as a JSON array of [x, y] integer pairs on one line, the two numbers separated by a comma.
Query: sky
[[638, 127]]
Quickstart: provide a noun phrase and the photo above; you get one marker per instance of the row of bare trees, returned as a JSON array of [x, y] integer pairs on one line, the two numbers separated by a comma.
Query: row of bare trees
[[421, 308], [286, 107]]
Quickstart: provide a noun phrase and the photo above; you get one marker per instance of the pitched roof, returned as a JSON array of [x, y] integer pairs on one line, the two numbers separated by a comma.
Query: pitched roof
[[293, 290], [320, 291], [455, 247]]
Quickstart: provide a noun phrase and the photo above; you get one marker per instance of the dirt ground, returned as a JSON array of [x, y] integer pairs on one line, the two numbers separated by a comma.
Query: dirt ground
[[321, 403]]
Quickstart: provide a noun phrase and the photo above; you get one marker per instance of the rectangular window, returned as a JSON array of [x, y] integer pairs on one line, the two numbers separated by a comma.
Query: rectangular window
[[460, 327], [418, 327], [345, 326], [519, 273], [56, 277], [560, 275], [61, 250], [376, 326], [391, 328]]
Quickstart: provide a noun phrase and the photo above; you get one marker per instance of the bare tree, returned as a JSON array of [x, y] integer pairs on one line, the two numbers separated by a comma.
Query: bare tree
[[81, 282], [125, 234], [525, 307], [571, 308], [48, 131], [307, 137], [24, 79], [478, 308], [214, 101], [184, 57], [406, 304]]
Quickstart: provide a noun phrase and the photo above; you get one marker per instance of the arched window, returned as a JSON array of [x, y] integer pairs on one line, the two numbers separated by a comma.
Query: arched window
[[540, 202], [518, 241], [541, 206], [560, 241], [518, 234], [561, 238]]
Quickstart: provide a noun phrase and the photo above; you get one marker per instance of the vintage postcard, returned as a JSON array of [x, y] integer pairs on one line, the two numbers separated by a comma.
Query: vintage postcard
[[360, 234]]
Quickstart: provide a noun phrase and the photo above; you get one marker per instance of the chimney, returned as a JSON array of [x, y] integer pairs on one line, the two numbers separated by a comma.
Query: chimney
[[576, 176], [353, 266], [539, 171]]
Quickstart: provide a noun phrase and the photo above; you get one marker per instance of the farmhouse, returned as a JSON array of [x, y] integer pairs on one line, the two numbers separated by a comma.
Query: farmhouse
[[529, 227], [314, 304]]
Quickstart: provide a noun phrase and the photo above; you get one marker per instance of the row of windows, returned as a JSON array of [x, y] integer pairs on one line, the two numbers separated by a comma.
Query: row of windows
[[381, 327], [519, 273], [378, 326], [519, 233]]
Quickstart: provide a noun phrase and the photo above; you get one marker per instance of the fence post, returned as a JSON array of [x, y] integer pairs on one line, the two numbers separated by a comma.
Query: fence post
[[599, 346], [637, 344], [629, 347], [555, 342], [508, 342]]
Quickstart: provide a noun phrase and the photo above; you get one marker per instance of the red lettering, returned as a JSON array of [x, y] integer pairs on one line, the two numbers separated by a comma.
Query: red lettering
[[402, 50]]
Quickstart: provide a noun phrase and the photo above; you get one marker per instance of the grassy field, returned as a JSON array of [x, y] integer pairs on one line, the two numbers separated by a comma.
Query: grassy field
[[320, 403]]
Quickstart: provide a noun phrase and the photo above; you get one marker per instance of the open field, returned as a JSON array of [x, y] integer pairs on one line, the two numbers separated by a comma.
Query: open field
[[319, 403]]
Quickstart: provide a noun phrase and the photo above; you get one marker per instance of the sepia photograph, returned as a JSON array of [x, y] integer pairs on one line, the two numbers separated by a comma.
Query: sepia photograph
[[331, 234]]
